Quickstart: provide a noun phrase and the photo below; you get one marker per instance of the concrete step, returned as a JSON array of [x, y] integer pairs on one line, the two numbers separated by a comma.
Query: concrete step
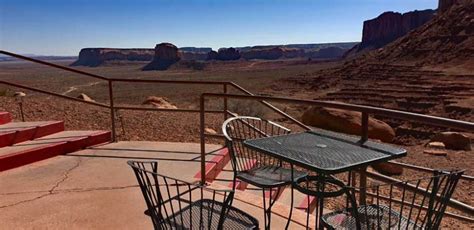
[[49, 146], [5, 117], [16, 132]]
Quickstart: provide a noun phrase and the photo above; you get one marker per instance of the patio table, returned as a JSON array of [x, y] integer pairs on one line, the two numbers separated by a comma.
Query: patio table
[[327, 152]]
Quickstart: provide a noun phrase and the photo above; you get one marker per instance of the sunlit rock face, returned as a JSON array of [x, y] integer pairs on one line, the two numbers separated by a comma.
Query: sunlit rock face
[[166, 54], [97, 56]]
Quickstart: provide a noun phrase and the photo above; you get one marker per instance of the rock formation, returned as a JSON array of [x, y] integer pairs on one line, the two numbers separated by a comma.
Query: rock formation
[[346, 122], [453, 140], [331, 52], [272, 53], [265, 53], [85, 97], [388, 27], [159, 102], [93, 57], [388, 169], [193, 55], [444, 5], [293, 52], [212, 55], [449, 37], [224, 54], [166, 54], [97, 56]]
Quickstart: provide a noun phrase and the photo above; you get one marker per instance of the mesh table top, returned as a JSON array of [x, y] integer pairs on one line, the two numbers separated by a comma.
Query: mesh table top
[[325, 151]]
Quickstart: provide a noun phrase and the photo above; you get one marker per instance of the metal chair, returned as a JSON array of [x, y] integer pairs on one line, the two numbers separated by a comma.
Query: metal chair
[[255, 168], [413, 204], [176, 204]]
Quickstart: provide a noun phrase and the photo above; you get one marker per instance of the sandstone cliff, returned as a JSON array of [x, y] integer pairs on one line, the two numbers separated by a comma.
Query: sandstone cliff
[[447, 38], [388, 27], [224, 54], [166, 54], [98, 56]]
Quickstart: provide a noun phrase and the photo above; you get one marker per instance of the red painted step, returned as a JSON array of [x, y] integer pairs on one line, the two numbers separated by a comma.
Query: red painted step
[[49, 146], [5, 117], [275, 194], [308, 204], [16, 132], [215, 165]]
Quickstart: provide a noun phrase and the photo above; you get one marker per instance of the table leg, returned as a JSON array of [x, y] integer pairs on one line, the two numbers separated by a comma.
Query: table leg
[[292, 198], [362, 185]]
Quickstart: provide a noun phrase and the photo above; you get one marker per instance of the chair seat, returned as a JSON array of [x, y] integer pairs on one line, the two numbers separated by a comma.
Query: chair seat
[[205, 214], [388, 219], [269, 176]]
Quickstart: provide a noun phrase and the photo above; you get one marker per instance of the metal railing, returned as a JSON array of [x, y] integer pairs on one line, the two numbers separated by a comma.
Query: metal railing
[[113, 108], [365, 110]]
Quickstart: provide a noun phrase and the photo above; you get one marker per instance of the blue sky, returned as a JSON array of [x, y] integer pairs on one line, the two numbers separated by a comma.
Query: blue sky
[[63, 27]]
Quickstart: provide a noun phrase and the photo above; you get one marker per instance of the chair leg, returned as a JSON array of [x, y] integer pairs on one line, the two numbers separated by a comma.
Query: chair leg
[[264, 209], [291, 208], [268, 210]]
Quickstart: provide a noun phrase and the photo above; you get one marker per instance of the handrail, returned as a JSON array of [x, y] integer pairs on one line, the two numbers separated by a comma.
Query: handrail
[[365, 110], [424, 169], [426, 119], [169, 81], [299, 123]]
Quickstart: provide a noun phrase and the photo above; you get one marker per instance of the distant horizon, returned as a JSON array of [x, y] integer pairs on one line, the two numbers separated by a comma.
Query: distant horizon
[[179, 47], [59, 28]]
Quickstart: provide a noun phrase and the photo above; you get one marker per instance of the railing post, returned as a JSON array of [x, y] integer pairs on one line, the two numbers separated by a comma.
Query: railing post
[[365, 127], [203, 140], [112, 110], [225, 102]]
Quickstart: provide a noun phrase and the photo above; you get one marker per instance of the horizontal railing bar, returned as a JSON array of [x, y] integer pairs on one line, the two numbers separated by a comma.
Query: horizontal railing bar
[[231, 113], [452, 202], [54, 94], [165, 110], [426, 119], [53, 65], [168, 81], [424, 169], [210, 135], [272, 107]]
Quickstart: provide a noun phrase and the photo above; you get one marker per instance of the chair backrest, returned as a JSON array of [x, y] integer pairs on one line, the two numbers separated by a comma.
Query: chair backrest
[[419, 203], [168, 200], [238, 129]]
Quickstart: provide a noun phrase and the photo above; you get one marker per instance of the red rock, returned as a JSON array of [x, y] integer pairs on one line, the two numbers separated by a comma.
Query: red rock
[[265, 53], [191, 55], [388, 169], [454, 140], [447, 38], [444, 5], [225, 54], [166, 54], [435, 152], [389, 26], [159, 102], [96, 56], [346, 122], [84, 97]]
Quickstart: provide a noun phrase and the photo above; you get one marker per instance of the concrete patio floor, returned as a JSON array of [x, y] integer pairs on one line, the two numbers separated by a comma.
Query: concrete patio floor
[[95, 189]]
